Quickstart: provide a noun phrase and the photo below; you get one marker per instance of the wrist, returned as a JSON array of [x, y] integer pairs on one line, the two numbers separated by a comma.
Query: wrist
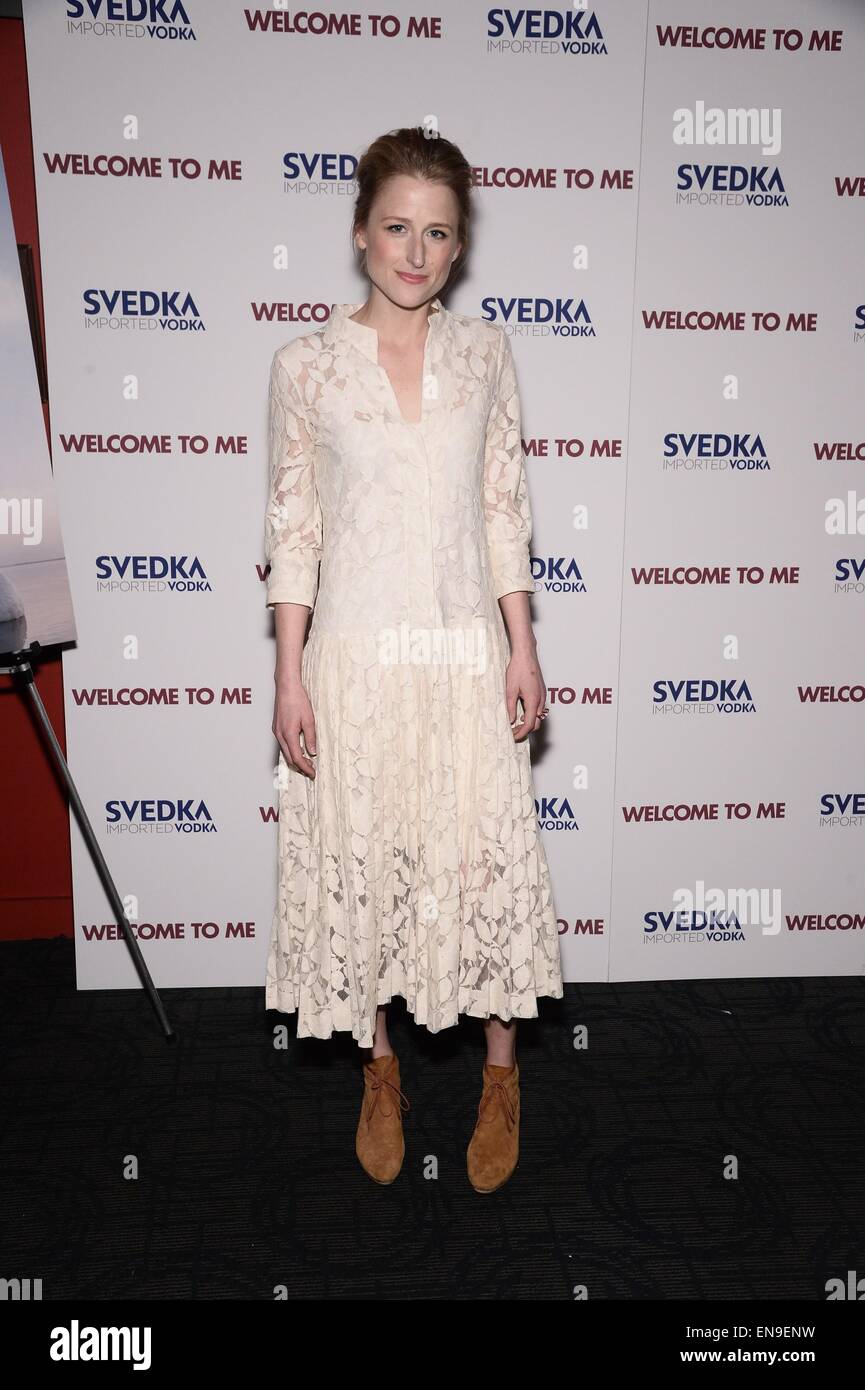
[[286, 679]]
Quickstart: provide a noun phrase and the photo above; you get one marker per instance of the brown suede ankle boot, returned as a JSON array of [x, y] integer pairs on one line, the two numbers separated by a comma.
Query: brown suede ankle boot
[[380, 1144], [495, 1145]]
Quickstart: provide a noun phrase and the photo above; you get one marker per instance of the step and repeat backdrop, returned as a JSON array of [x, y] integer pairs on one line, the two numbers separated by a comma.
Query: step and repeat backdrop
[[669, 217]]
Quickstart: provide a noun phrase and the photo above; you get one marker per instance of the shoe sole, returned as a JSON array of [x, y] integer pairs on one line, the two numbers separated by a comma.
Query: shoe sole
[[486, 1190], [382, 1182]]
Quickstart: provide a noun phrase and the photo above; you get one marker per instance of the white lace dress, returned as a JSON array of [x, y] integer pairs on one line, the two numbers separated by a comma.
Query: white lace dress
[[412, 864]]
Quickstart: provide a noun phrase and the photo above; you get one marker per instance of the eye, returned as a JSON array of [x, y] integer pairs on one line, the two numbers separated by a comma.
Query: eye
[[400, 227]]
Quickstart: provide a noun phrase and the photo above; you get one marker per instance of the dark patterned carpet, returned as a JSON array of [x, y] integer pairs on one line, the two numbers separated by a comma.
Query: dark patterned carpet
[[247, 1179]]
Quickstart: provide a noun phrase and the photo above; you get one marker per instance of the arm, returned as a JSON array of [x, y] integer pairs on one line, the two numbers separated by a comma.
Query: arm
[[508, 518], [506, 498], [293, 546], [292, 521]]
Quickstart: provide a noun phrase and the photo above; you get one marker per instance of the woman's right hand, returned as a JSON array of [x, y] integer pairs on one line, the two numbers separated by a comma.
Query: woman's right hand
[[293, 716]]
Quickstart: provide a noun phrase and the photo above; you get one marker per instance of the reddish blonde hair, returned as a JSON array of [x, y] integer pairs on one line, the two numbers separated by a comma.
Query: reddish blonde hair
[[412, 150]]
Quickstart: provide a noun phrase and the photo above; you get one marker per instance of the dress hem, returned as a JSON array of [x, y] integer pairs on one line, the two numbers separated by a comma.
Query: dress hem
[[470, 1008]]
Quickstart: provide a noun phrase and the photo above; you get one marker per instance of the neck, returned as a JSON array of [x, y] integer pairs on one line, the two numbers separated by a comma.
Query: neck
[[391, 321]]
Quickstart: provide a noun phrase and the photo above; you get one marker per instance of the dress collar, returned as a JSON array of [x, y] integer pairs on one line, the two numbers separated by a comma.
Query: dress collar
[[342, 327]]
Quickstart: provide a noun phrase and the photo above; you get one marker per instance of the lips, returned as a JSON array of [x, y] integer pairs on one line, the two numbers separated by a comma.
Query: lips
[[412, 279]]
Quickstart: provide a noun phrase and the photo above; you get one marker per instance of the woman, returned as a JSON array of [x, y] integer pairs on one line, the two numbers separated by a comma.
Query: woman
[[410, 857]]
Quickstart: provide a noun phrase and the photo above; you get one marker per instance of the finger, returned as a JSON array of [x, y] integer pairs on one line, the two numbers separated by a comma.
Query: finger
[[305, 762], [542, 711], [517, 717], [286, 752], [307, 727], [532, 709], [522, 729], [289, 742], [298, 757]]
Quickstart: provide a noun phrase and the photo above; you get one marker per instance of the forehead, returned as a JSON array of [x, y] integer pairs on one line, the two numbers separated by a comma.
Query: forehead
[[403, 193]]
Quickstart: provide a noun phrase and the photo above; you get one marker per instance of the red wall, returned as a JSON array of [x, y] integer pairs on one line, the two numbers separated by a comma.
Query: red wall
[[35, 868]]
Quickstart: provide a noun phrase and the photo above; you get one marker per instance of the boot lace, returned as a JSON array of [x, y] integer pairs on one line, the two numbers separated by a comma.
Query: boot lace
[[376, 1085], [497, 1090]]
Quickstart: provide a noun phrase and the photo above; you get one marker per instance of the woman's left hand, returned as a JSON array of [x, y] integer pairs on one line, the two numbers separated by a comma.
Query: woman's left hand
[[523, 680]]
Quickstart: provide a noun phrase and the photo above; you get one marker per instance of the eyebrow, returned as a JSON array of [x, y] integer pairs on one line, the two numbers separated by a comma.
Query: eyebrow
[[396, 218]]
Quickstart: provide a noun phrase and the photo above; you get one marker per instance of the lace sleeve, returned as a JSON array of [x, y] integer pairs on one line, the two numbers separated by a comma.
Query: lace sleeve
[[292, 522], [507, 511]]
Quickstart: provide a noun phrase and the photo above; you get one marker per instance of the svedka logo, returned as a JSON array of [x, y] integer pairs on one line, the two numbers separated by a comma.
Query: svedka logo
[[172, 310], [844, 810], [703, 695], [124, 574], [130, 19], [730, 185], [713, 453], [555, 813], [557, 574], [545, 31], [308, 173], [563, 318], [158, 816], [850, 575], [665, 927]]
